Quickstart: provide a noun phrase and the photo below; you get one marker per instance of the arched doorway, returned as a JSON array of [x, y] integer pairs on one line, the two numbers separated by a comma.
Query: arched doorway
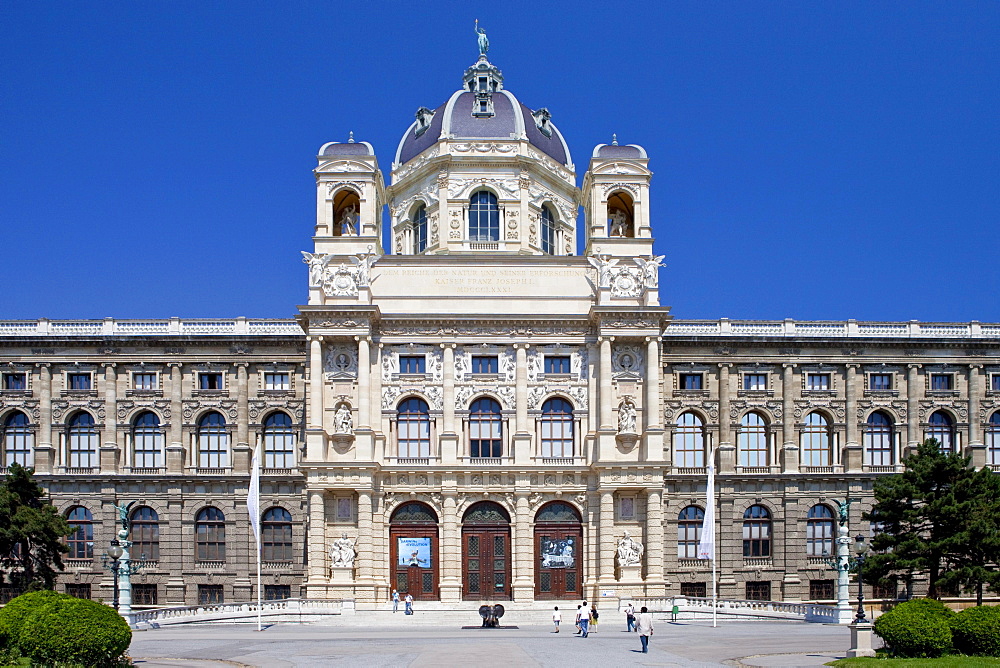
[[413, 551], [558, 552], [486, 552]]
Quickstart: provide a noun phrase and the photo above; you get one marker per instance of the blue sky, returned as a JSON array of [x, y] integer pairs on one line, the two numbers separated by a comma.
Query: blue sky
[[820, 160]]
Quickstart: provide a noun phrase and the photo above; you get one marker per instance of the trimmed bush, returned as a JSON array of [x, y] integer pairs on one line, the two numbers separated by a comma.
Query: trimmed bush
[[918, 628], [75, 631], [977, 631], [14, 614]]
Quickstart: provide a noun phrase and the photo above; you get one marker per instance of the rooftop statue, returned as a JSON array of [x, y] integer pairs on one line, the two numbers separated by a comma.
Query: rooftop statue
[[484, 42]]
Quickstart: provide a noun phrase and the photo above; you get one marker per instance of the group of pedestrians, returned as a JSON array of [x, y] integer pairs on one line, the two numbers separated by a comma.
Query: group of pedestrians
[[587, 618], [408, 601]]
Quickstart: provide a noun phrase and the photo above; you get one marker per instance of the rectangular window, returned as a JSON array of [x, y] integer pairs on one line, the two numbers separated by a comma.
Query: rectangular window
[[345, 509], [818, 381], [144, 594], [995, 382], [942, 381], [78, 590], [626, 508], [277, 592], [880, 381], [144, 381], [690, 381], [557, 364], [756, 382], [209, 594], [277, 381], [821, 590], [694, 589], [758, 591], [210, 381], [484, 364], [78, 381], [413, 364], [15, 381]]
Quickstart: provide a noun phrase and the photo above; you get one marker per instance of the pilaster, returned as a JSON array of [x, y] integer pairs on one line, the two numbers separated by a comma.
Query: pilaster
[[913, 392], [110, 454], [316, 538], [451, 551], [655, 584], [853, 459], [44, 450], [522, 438], [242, 449], [976, 447], [789, 446], [607, 416], [523, 550], [606, 546], [175, 445]]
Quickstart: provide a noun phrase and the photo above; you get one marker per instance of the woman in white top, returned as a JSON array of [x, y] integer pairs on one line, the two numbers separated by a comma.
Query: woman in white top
[[644, 622]]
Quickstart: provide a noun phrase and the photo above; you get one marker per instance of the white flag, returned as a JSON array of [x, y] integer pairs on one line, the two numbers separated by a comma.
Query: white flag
[[706, 546], [253, 498]]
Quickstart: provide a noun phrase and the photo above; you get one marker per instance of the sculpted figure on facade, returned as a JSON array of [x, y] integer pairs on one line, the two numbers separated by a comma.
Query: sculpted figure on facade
[[342, 552], [343, 421], [348, 222], [626, 416], [317, 266], [629, 551], [650, 269], [619, 223], [604, 265]]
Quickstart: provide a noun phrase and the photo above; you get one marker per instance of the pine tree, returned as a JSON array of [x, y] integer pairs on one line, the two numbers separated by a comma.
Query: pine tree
[[31, 532], [973, 551]]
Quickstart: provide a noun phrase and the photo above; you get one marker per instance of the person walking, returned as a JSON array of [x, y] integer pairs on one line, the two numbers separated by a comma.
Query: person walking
[[409, 604], [629, 617], [584, 620], [577, 620], [593, 618], [395, 600], [556, 618], [645, 628]]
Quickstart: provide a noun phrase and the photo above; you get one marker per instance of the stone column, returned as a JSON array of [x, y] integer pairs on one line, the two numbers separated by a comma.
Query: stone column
[[317, 539], [912, 406], [654, 542], [522, 437], [976, 447], [109, 455], [241, 452], [853, 457], [175, 444], [789, 446], [450, 563], [448, 387], [316, 420], [523, 551], [366, 555], [364, 381], [652, 409], [44, 449], [727, 450], [606, 417], [606, 547]]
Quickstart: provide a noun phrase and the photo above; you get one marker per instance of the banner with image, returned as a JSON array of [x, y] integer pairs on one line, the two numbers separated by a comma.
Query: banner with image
[[414, 552]]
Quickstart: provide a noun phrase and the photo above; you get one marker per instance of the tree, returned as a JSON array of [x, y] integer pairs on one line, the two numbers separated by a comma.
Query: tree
[[31, 532], [973, 551]]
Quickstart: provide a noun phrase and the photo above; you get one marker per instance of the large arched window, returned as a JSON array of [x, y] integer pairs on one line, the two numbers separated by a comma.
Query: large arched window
[[18, 440], [145, 533], [556, 428], [276, 535], [485, 428], [210, 535], [819, 531], [689, 523], [941, 427], [877, 439], [757, 532], [993, 440], [81, 541], [816, 441], [753, 441], [548, 232], [82, 441], [689, 441], [484, 217], [413, 428], [147, 441], [420, 229], [279, 442], [213, 442]]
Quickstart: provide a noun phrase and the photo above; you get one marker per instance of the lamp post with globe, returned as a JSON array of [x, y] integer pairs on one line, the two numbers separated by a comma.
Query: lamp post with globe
[[861, 628]]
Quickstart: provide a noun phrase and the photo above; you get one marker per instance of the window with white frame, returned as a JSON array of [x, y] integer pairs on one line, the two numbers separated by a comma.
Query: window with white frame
[[689, 441], [420, 229], [279, 442], [818, 382], [993, 440], [817, 441], [548, 232], [484, 217], [213, 441], [485, 428], [144, 380], [18, 440], [752, 442], [147, 441], [277, 380], [210, 380], [755, 382], [82, 440], [556, 428], [880, 382], [877, 439], [79, 381], [413, 428]]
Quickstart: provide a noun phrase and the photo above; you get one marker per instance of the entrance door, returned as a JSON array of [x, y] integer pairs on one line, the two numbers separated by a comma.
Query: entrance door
[[413, 552], [558, 552], [487, 563]]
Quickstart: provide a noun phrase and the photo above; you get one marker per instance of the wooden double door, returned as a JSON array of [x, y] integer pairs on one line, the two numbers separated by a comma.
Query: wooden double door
[[558, 561], [413, 553], [486, 563]]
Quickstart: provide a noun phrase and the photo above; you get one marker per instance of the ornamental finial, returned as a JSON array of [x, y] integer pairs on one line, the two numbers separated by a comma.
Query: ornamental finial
[[484, 43], [350, 137], [614, 139]]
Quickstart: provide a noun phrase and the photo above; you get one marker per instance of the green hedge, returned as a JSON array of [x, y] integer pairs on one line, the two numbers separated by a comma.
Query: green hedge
[[977, 631], [77, 631], [13, 615], [917, 628]]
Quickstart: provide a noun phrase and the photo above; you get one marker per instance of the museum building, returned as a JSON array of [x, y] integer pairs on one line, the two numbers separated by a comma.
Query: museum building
[[472, 409]]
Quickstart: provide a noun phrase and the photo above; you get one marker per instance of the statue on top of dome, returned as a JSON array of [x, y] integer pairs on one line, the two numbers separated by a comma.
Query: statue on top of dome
[[484, 42]]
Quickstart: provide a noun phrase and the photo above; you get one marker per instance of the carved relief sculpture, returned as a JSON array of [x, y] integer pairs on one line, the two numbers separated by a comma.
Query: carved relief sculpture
[[629, 551]]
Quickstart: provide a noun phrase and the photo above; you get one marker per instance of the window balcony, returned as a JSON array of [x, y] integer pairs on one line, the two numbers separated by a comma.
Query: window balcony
[[690, 470], [486, 461], [211, 565], [145, 470], [224, 470], [80, 470], [758, 470], [79, 564], [291, 470], [835, 468], [693, 563], [757, 562], [143, 393], [889, 468], [560, 461], [410, 461]]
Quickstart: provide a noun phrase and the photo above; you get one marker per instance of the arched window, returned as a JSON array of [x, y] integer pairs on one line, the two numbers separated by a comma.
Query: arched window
[[213, 442], [82, 441], [210, 535], [420, 229], [548, 235], [993, 440], [689, 523], [819, 531], [556, 427], [279, 442], [621, 215], [689, 441], [753, 441], [81, 541], [484, 217], [346, 210], [276, 535], [18, 440], [147, 441], [485, 428], [941, 427], [145, 533], [816, 441], [413, 428], [757, 532], [877, 439]]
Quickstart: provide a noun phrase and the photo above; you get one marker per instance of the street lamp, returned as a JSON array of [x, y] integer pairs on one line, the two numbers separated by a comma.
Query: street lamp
[[860, 552], [114, 553]]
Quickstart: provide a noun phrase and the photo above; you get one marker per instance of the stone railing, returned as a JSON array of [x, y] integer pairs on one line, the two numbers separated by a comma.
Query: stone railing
[[691, 606], [847, 329], [290, 609], [168, 327]]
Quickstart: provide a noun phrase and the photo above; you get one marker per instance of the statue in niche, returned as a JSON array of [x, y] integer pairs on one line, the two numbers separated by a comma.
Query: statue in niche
[[629, 551], [619, 223], [342, 552], [348, 221], [626, 416], [343, 421]]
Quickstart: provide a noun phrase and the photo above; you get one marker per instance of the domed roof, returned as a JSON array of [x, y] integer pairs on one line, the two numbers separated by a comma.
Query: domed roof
[[616, 151], [509, 119], [347, 148]]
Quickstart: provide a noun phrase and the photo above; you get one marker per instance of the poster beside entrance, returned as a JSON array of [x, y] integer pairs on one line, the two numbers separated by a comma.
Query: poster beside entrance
[[414, 551]]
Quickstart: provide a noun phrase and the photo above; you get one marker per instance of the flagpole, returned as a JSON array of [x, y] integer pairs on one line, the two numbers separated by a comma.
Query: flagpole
[[253, 508], [706, 544], [710, 496], [258, 587]]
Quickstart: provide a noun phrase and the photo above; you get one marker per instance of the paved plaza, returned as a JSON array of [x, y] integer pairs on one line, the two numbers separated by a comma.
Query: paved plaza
[[397, 644]]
